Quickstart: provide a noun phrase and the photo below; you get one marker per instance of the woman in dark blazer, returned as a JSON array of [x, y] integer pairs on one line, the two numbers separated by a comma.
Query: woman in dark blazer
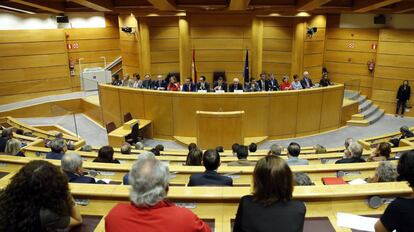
[[403, 95], [270, 207], [106, 155]]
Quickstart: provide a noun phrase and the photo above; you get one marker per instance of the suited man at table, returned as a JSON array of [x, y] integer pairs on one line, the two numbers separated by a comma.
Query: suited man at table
[[147, 82], [272, 82], [263, 83], [203, 84], [189, 86], [159, 84], [235, 85], [220, 84], [306, 81]]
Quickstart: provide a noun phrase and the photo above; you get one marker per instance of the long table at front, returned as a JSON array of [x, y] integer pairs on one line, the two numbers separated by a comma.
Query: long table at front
[[271, 115], [218, 205]]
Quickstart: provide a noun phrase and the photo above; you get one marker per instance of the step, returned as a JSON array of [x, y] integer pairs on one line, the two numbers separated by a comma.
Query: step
[[361, 99], [370, 111], [357, 117], [376, 116], [364, 106], [357, 123], [350, 94]]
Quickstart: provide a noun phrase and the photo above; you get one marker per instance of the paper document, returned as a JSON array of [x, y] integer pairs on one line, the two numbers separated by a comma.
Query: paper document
[[356, 222]]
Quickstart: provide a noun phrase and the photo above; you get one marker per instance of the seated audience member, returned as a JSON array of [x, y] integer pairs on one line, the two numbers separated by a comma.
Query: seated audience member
[[188, 85], [220, 149], [87, 148], [144, 155], [126, 149], [211, 161], [242, 154], [324, 80], [293, 155], [58, 147], [306, 81], [106, 155], [13, 147], [399, 214], [273, 84], [6, 135], [147, 82], [220, 85], [71, 165], [192, 146], [296, 85], [71, 146], [59, 135], [19, 132], [348, 141], [385, 172], [136, 81], [234, 148], [115, 80], [405, 133], [159, 147], [139, 146], [253, 147], [270, 207], [285, 84], [381, 153], [275, 149], [302, 179], [203, 85], [155, 151], [159, 84], [126, 81], [235, 85], [319, 149], [251, 86], [149, 211], [262, 83], [173, 85], [354, 155], [49, 205], [194, 157]]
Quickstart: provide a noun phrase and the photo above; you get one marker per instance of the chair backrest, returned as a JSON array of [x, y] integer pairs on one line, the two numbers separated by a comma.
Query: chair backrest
[[135, 133], [218, 74], [110, 126], [127, 117]]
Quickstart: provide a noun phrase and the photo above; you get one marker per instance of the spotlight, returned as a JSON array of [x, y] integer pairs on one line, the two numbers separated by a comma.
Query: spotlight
[[311, 31], [127, 30]]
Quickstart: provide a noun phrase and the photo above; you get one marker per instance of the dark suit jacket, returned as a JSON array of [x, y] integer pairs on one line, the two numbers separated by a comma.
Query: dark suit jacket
[[73, 178], [265, 87], [156, 85], [404, 94], [146, 84], [211, 178], [324, 82], [53, 155], [273, 85], [303, 83], [232, 87], [206, 86], [350, 160], [223, 86], [189, 88], [3, 142]]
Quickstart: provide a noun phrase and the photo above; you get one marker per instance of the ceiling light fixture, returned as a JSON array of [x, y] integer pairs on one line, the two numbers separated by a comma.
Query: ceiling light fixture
[[302, 14], [17, 10]]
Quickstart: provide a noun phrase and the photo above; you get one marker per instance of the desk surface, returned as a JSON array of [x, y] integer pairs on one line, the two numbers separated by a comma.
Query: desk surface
[[122, 131]]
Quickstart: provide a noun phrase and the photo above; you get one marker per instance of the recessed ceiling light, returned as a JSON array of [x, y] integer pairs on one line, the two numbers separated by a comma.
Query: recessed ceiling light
[[302, 14]]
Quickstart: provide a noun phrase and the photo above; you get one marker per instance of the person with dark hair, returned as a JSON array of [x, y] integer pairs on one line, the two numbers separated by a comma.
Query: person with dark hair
[[273, 84], [211, 161], [405, 133], [155, 151], [203, 85], [271, 205], [147, 82], [6, 135], [262, 83], [194, 157], [253, 147], [234, 148], [403, 95], [49, 206], [192, 146], [242, 153], [381, 153], [58, 147], [220, 85], [136, 81], [159, 147], [296, 85], [116, 81], [293, 155], [173, 85], [220, 149], [188, 85], [106, 155], [19, 131], [399, 215], [324, 82]]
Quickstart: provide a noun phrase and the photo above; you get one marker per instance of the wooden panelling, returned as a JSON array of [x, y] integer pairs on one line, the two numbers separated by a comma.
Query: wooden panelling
[[11, 88], [386, 84], [164, 68], [383, 95], [352, 34], [220, 20], [349, 57], [111, 108], [25, 36], [363, 80], [400, 61], [319, 36], [350, 45], [129, 45], [312, 60], [22, 97], [277, 45], [96, 45], [165, 56], [346, 68], [33, 48], [278, 22], [277, 57], [38, 73], [92, 33], [281, 109], [396, 35], [17, 62], [331, 113], [312, 47], [220, 32], [307, 118], [162, 45], [278, 69], [394, 73]]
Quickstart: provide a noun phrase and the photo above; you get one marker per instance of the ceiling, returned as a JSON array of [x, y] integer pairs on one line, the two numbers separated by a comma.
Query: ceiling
[[287, 7]]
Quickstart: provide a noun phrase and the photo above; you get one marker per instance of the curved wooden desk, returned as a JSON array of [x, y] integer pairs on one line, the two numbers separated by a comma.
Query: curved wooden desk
[[271, 115]]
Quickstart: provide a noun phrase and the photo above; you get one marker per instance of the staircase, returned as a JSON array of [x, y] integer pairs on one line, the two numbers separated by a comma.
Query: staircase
[[368, 113]]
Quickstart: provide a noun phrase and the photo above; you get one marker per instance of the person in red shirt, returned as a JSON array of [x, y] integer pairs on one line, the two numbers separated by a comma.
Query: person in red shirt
[[285, 85], [173, 85], [148, 210]]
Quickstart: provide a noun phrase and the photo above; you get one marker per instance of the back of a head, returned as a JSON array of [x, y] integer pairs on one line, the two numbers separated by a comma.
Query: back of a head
[[149, 182], [355, 149], [106, 153], [71, 145], [71, 162], [159, 147], [347, 142], [404, 129], [139, 146], [155, 151], [302, 179], [294, 149], [220, 149], [7, 133], [272, 181], [13, 147], [405, 168], [17, 209], [242, 152], [192, 146], [194, 158], [275, 149], [386, 172], [234, 147], [87, 148], [126, 149], [211, 159], [384, 149], [57, 145], [146, 155], [253, 147]]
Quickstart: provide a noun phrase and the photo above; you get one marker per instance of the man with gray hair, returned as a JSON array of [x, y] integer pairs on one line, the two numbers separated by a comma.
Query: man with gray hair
[[148, 210], [275, 149], [6, 135], [385, 172], [58, 147], [126, 149], [354, 156], [144, 155], [71, 165]]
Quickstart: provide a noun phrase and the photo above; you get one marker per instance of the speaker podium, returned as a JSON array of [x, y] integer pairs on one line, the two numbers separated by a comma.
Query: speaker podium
[[219, 129]]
